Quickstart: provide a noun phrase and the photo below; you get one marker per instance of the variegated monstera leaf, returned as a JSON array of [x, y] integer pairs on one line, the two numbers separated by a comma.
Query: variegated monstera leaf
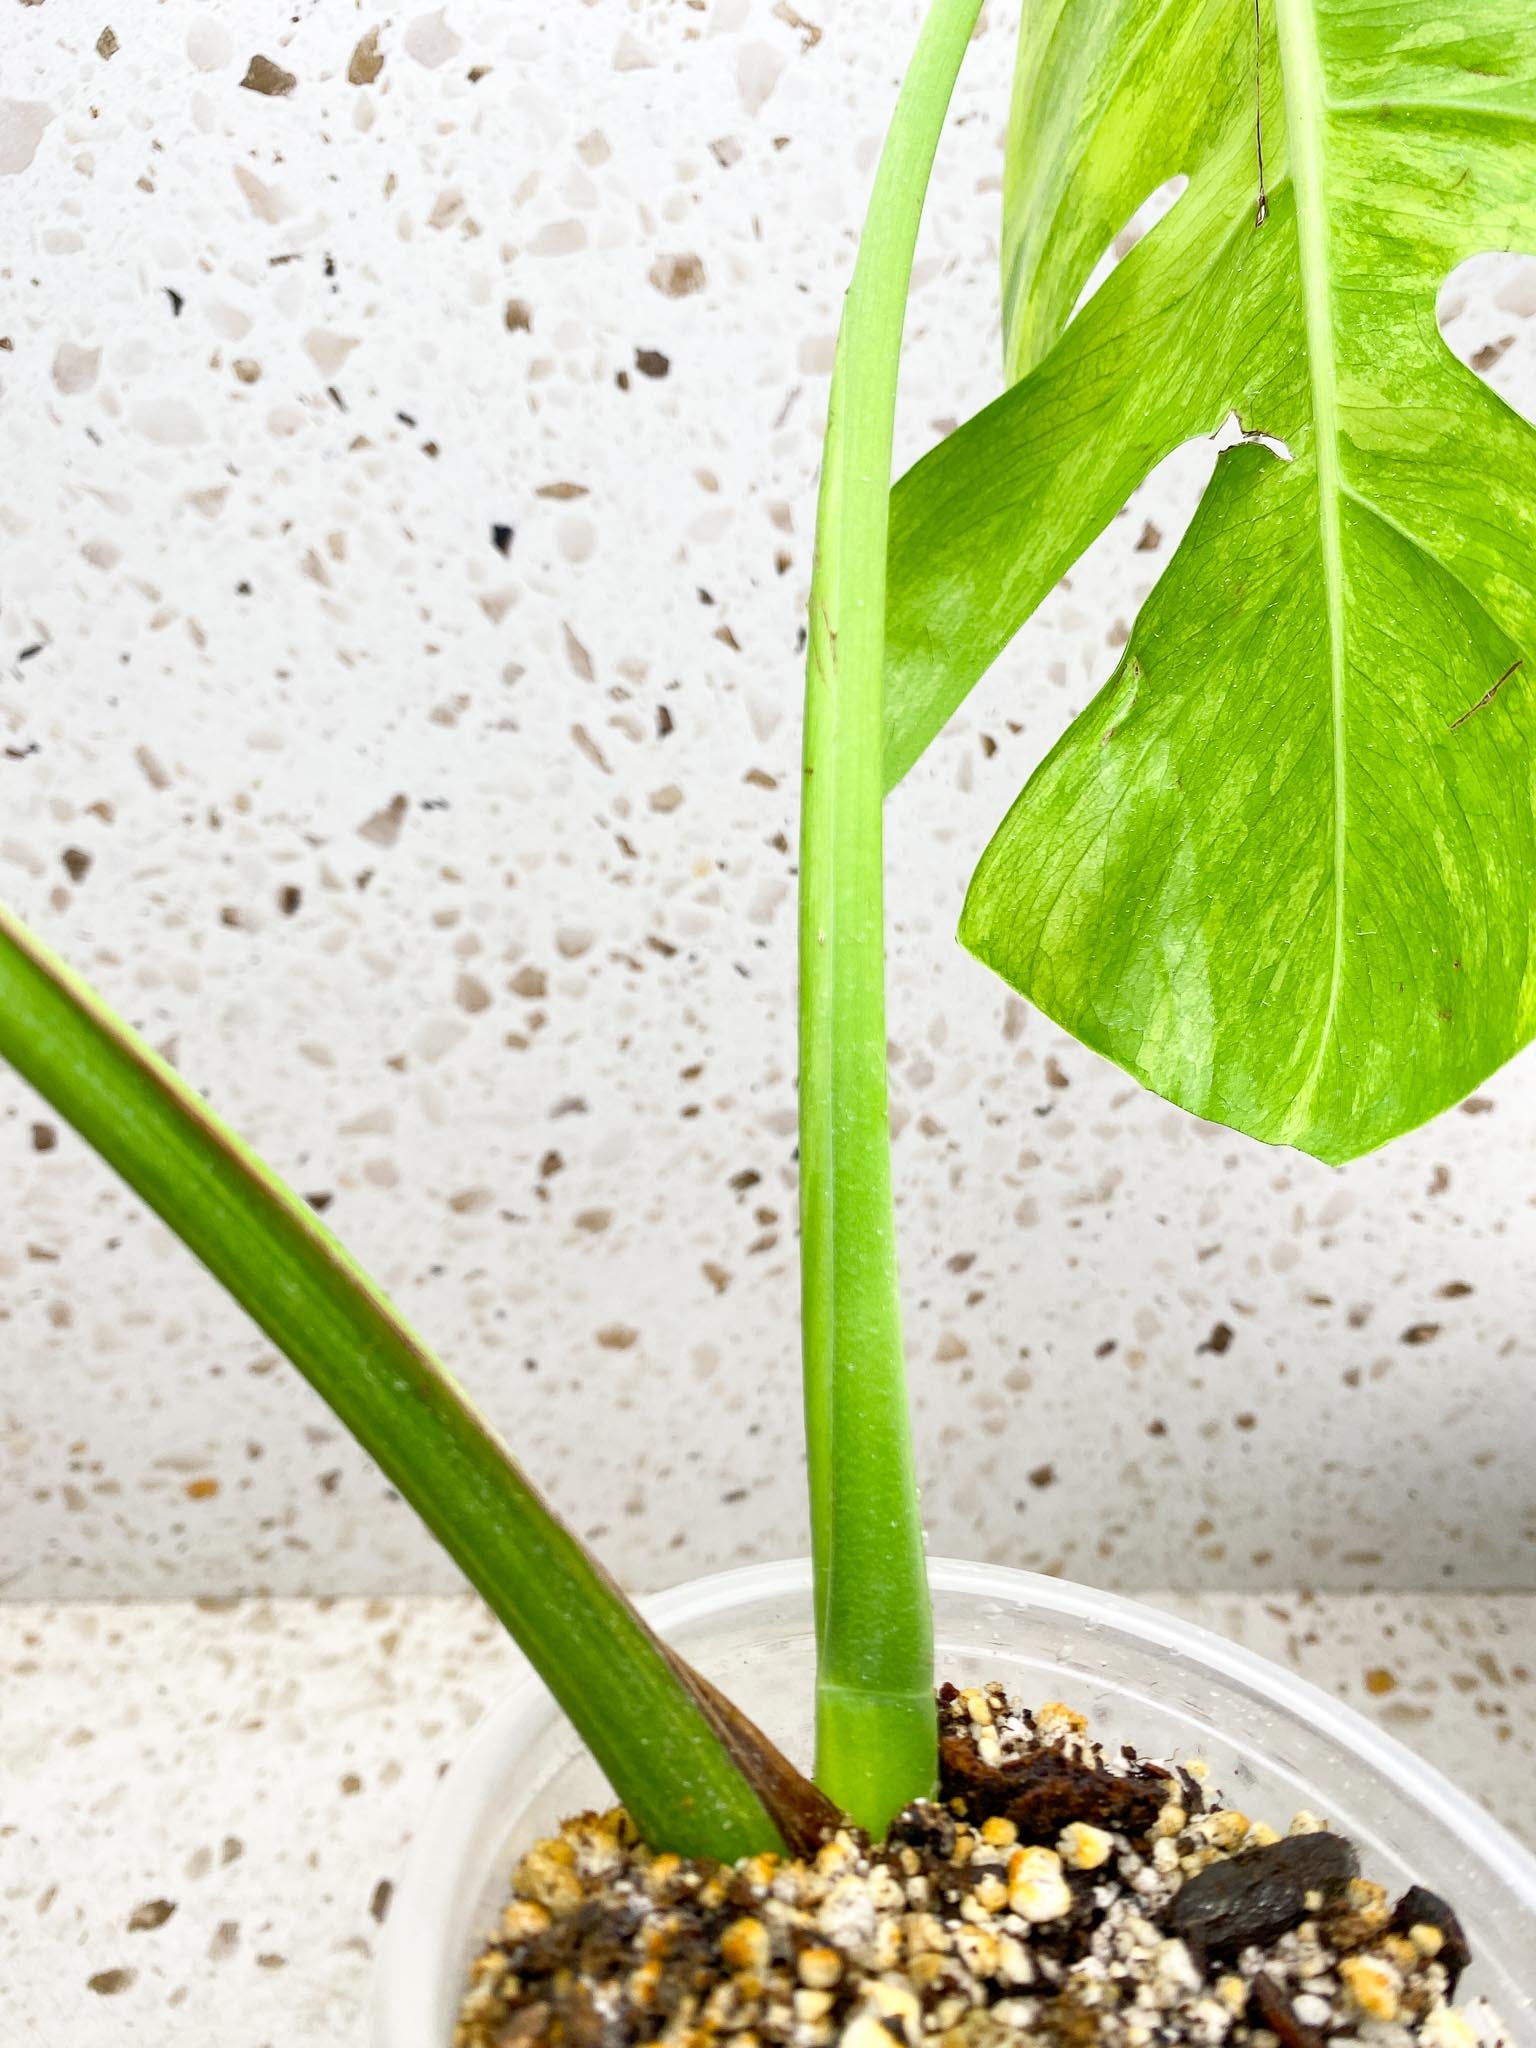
[[1283, 869]]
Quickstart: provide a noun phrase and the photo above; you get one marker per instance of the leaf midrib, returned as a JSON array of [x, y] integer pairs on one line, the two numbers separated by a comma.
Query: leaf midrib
[[1301, 77]]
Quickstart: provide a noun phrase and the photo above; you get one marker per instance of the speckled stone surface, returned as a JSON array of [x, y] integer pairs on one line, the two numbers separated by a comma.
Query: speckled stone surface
[[204, 1807], [406, 513]]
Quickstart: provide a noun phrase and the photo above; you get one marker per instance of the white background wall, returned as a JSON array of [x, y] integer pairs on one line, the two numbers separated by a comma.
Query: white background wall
[[528, 1019]]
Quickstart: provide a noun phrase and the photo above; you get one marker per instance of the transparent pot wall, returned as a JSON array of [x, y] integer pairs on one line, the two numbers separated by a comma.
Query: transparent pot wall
[[1274, 1744]]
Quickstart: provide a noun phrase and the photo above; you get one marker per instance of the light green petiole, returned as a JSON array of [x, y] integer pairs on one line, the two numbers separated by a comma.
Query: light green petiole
[[875, 1719]]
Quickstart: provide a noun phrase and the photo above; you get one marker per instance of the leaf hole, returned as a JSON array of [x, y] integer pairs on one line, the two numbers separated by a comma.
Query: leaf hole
[[1486, 310], [1152, 209]]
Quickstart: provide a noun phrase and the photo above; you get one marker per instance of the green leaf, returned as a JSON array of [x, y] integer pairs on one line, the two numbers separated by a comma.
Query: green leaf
[[1283, 869], [676, 1753], [876, 1725]]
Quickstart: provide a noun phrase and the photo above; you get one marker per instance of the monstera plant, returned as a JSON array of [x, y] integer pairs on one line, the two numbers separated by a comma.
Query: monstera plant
[[1282, 869]]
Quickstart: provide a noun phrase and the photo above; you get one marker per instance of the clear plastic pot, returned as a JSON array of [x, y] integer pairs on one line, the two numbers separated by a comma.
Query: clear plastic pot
[[1274, 1744]]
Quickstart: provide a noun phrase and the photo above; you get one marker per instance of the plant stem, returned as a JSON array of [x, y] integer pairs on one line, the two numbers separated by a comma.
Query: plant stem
[[660, 1736], [876, 1732]]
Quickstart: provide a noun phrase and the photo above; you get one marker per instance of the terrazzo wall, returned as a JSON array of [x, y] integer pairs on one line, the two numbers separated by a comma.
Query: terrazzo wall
[[410, 425]]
